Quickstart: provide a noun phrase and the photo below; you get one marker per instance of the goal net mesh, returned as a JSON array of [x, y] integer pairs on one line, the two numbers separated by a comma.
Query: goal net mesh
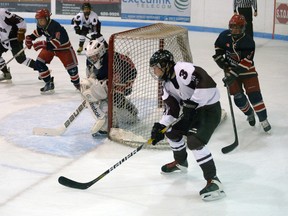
[[138, 45]]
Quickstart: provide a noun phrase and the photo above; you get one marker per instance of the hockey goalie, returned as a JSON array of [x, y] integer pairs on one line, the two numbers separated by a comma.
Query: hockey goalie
[[95, 87]]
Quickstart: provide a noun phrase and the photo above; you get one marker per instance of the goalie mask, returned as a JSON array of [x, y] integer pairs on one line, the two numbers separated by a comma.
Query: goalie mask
[[161, 63], [237, 25], [95, 50]]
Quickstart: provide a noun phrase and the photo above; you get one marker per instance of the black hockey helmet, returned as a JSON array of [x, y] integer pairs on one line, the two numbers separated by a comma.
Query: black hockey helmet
[[86, 8], [86, 5], [164, 60]]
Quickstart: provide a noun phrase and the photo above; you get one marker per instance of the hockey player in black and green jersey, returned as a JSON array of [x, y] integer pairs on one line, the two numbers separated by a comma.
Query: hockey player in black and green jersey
[[188, 87]]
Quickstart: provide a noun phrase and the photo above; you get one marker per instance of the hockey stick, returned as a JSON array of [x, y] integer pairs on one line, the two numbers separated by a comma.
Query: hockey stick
[[16, 55], [232, 146], [79, 185], [60, 130]]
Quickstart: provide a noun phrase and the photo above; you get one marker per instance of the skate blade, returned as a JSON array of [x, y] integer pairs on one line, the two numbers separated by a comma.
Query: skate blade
[[214, 195], [50, 92]]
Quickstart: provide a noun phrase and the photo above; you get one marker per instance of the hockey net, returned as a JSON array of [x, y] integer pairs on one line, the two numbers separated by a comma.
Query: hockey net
[[139, 45]]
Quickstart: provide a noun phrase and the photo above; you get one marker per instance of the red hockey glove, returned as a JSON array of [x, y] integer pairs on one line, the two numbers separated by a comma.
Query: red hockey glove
[[39, 45], [156, 133], [28, 42]]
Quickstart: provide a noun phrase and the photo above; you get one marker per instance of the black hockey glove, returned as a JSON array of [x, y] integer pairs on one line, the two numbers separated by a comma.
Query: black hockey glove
[[230, 77], [156, 134], [77, 29], [189, 109], [84, 30]]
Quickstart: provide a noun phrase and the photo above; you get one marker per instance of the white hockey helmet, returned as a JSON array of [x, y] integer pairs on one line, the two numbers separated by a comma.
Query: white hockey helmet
[[95, 49]]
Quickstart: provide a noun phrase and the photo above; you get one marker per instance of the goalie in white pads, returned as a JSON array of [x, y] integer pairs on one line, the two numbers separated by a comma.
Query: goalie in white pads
[[190, 87], [94, 87]]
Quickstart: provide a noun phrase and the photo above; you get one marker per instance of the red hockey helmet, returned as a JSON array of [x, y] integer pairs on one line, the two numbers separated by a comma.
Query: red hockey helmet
[[237, 24], [43, 13], [43, 17]]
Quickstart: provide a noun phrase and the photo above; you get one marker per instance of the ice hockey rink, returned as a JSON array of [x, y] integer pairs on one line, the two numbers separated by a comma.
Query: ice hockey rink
[[254, 175]]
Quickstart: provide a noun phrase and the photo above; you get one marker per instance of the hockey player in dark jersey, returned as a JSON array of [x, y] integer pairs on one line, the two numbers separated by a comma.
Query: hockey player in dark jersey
[[57, 43], [188, 87], [234, 53], [94, 87], [12, 35]]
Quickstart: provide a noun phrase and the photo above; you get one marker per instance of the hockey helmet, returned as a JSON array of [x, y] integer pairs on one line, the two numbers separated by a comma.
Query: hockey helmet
[[42, 15], [164, 60], [237, 25], [96, 49], [86, 8]]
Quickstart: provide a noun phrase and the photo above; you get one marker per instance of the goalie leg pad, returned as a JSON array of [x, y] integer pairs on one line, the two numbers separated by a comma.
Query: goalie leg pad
[[99, 111]]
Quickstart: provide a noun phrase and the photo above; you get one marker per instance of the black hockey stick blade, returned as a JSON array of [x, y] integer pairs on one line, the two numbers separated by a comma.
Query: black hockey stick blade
[[84, 185], [230, 148]]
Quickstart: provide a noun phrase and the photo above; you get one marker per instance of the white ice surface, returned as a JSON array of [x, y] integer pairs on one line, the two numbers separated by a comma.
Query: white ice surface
[[254, 175]]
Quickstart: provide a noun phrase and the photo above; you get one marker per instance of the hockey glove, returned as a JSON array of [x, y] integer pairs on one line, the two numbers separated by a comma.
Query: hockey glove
[[77, 29], [39, 45], [230, 77], [156, 133], [84, 31], [28, 42], [21, 34], [189, 109]]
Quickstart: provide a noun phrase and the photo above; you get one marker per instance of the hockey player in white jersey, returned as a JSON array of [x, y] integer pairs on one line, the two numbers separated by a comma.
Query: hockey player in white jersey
[[86, 22], [190, 88], [12, 34], [94, 88]]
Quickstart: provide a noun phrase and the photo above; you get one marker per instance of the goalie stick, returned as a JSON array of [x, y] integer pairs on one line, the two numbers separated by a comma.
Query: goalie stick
[[60, 130], [79, 185], [232, 146]]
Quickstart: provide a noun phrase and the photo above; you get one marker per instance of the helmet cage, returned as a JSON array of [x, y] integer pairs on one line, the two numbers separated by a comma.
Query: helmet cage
[[162, 59], [95, 50]]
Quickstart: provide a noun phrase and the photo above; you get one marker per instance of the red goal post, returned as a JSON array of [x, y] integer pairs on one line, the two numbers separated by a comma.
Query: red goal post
[[138, 45]]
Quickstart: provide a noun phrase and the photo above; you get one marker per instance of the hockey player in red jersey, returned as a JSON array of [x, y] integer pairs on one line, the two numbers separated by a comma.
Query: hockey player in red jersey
[[57, 43], [234, 53], [188, 87], [12, 35]]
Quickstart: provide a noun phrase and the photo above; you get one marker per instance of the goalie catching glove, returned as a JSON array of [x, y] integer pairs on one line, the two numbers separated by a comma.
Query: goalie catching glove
[[156, 134]]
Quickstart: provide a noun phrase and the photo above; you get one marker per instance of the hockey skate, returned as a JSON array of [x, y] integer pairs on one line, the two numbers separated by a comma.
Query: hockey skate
[[6, 76], [213, 190], [251, 120], [80, 49], [48, 88], [266, 126], [175, 167]]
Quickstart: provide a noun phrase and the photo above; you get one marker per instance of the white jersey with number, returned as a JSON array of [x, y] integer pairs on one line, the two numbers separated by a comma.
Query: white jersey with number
[[9, 20], [191, 83]]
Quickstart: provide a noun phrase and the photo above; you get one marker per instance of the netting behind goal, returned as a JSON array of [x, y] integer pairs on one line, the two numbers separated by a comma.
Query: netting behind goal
[[138, 45]]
